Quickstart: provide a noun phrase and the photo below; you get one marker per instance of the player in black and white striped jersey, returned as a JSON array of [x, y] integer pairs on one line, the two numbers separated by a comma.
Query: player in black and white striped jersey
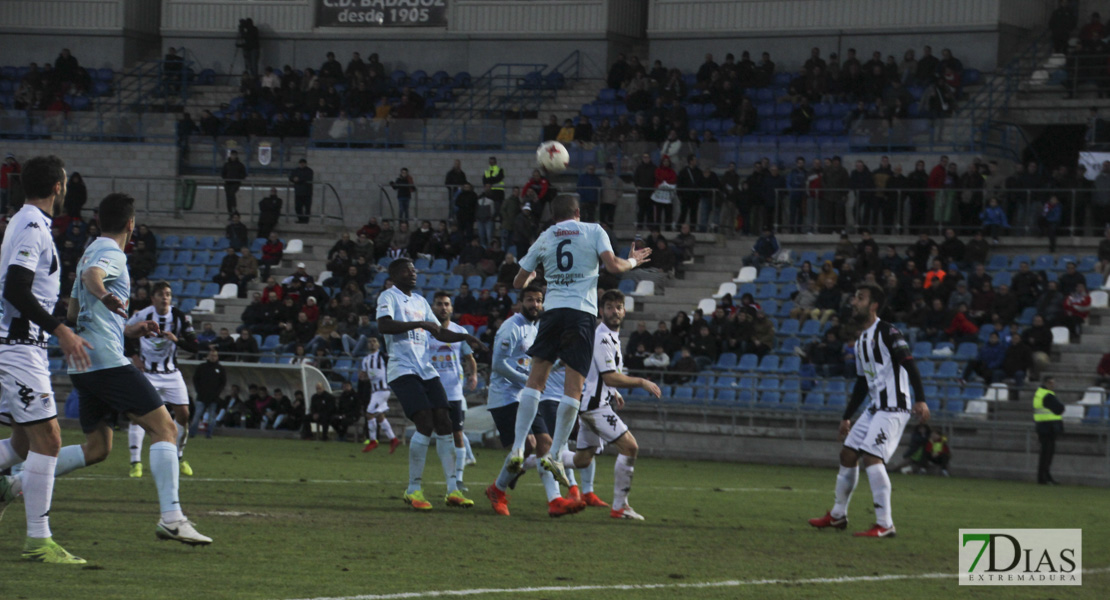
[[372, 376], [158, 355], [886, 372]]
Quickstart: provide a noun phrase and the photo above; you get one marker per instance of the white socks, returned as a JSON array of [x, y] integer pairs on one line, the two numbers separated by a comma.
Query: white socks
[[567, 458], [164, 468], [460, 464], [550, 486], [182, 439], [564, 421], [38, 490], [135, 436], [622, 480], [387, 430], [371, 428], [418, 453], [880, 492], [445, 448], [525, 413], [845, 484], [469, 451], [587, 474], [8, 456]]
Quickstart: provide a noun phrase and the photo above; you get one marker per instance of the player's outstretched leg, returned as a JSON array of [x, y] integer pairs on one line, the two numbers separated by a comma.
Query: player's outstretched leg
[[387, 433], [564, 424], [588, 496], [880, 493], [846, 481], [135, 435], [526, 411], [622, 477], [173, 525], [470, 458]]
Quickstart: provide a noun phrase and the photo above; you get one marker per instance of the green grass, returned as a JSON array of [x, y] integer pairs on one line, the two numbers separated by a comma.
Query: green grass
[[325, 520]]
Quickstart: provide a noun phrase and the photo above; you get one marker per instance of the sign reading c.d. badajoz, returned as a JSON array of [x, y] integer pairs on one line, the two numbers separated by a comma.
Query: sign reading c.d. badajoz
[[381, 13], [1021, 557]]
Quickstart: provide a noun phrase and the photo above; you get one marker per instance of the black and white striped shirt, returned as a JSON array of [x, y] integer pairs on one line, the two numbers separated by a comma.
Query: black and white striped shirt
[[880, 352], [159, 355], [607, 359], [374, 365]]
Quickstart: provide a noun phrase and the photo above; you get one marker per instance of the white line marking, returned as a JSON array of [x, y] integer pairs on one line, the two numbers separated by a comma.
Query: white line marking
[[749, 490], [656, 586]]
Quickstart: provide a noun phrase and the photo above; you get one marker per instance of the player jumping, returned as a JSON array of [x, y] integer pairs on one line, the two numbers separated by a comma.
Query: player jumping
[[454, 362], [158, 355], [598, 422], [570, 252], [406, 319], [30, 279], [885, 371]]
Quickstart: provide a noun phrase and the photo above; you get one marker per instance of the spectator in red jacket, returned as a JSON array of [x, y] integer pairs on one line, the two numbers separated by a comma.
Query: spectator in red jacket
[[962, 329], [938, 176], [542, 188], [663, 200], [10, 167], [271, 254], [1076, 308], [1103, 371]]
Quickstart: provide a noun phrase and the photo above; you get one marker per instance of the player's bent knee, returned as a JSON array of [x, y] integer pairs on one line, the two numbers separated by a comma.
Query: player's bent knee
[[582, 458], [848, 457]]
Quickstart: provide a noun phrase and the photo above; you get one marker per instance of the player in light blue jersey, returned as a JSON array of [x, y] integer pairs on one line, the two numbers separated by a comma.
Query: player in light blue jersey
[[455, 362], [110, 384], [571, 253], [406, 320], [510, 364]]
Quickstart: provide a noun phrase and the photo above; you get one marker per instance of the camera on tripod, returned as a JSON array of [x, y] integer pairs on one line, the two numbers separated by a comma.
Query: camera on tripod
[[244, 26]]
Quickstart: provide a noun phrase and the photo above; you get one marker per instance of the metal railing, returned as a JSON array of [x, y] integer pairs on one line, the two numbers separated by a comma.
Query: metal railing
[[138, 88], [923, 210], [83, 127]]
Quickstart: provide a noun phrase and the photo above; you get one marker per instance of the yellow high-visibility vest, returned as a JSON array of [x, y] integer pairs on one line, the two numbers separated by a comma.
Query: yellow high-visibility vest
[[1040, 413], [492, 172]]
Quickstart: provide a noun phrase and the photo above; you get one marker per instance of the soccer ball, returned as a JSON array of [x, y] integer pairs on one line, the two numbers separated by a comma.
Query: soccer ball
[[553, 157]]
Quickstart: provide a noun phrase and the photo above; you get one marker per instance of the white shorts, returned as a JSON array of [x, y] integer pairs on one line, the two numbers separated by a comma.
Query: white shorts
[[25, 390], [598, 427], [877, 433], [170, 387], [379, 403]]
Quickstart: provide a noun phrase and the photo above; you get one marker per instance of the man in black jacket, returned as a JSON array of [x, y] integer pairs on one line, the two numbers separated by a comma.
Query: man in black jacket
[[208, 382], [689, 181], [466, 207], [302, 190], [1047, 409], [269, 211], [233, 174]]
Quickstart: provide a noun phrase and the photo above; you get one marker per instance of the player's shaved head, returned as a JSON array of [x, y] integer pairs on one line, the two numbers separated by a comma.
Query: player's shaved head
[[564, 208], [398, 266], [115, 213]]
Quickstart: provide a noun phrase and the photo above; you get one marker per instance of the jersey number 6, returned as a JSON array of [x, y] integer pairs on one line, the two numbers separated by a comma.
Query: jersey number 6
[[565, 260]]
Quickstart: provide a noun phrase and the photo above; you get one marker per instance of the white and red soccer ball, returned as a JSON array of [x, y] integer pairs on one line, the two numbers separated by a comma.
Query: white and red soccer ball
[[553, 157]]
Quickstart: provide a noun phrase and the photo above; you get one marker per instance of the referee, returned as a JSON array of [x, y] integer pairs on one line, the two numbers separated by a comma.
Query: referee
[[1048, 419]]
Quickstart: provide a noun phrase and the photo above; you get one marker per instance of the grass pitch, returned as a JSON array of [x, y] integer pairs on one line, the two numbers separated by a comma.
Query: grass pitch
[[308, 520]]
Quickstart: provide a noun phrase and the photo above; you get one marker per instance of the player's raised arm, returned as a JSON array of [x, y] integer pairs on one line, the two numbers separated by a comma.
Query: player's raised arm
[[389, 326], [17, 291], [523, 278], [447, 336], [616, 265]]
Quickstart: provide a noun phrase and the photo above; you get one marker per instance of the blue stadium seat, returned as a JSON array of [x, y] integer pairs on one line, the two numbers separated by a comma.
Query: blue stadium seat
[[789, 327], [967, 351], [439, 265], [954, 407], [192, 289], [160, 272], [725, 362], [1097, 414], [1044, 262], [814, 401], [1015, 261], [682, 393], [788, 346], [170, 241], [1087, 263], [769, 364], [922, 349], [810, 328], [972, 392], [948, 370], [475, 282], [791, 400], [766, 291], [835, 402], [747, 383], [766, 275], [770, 399], [209, 290], [453, 282], [745, 398], [768, 384], [927, 368], [724, 398], [746, 288], [748, 362], [726, 382], [787, 275], [1095, 281], [791, 364], [196, 273], [187, 305], [256, 246], [627, 286], [833, 387], [176, 287], [189, 242], [179, 272]]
